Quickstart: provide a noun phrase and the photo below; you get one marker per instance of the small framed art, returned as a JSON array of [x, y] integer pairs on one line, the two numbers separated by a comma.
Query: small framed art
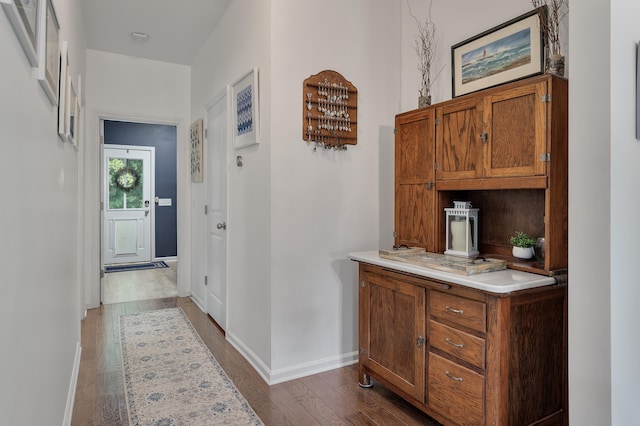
[[196, 151], [49, 50], [71, 106], [508, 52], [23, 15], [246, 110], [62, 85]]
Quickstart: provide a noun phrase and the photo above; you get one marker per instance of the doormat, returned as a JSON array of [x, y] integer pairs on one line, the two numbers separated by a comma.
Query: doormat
[[135, 267], [171, 377]]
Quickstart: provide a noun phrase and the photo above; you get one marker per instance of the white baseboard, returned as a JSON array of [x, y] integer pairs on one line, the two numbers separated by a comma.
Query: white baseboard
[[313, 367], [199, 303], [272, 377], [71, 395]]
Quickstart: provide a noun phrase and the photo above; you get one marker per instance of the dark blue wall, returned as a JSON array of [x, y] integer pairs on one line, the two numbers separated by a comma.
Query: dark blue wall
[[164, 139]]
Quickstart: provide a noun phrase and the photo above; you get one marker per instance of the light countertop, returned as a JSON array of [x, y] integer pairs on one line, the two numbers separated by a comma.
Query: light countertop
[[505, 281]]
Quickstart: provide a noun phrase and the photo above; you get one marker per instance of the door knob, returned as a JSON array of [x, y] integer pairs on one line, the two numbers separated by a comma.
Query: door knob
[[222, 225]]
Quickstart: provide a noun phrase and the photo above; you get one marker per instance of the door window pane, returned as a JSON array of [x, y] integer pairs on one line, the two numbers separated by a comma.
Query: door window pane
[[125, 183]]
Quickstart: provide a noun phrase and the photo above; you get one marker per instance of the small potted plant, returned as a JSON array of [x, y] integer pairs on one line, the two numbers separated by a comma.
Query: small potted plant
[[522, 245]]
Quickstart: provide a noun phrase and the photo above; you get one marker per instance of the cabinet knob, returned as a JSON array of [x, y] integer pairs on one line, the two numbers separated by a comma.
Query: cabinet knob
[[421, 341], [483, 137]]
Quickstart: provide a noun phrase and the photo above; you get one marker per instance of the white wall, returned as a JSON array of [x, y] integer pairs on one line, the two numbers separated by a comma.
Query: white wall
[[625, 197], [240, 42], [590, 216], [134, 89], [40, 305], [326, 204]]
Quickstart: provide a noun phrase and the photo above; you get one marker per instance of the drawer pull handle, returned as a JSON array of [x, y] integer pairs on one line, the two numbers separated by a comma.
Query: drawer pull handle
[[457, 345], [457, 379], [455, 311]]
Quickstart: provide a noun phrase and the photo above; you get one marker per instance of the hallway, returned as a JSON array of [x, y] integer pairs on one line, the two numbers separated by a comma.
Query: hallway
[[333, 397]]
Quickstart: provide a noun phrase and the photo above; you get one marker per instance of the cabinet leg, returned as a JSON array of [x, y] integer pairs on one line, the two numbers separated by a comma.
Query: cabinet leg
[[366, 381]]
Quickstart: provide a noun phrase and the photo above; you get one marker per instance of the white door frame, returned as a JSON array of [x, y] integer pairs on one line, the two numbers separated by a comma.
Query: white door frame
[[152, 192], [223, 97]]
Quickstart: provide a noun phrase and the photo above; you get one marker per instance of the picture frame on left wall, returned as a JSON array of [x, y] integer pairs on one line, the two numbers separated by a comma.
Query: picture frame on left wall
[[23, 15], [62, 84], [49, 50]]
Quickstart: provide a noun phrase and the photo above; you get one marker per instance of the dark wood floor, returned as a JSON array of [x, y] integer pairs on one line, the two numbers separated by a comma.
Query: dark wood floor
[[333, 397]]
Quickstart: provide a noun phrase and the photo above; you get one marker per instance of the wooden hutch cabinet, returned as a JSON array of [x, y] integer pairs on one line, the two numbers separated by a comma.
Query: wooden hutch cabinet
[[463, 355], [503, 149]]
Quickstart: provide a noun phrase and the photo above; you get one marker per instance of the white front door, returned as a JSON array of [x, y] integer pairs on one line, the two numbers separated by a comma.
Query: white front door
[[217, 141], [128, 208]]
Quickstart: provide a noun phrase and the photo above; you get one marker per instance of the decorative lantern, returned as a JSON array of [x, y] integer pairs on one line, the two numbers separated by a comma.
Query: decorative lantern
[[462, 230]]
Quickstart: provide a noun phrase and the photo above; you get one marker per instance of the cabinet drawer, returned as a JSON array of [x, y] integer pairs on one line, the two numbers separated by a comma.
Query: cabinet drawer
[[455, 392], [457, 343], [459, 310]]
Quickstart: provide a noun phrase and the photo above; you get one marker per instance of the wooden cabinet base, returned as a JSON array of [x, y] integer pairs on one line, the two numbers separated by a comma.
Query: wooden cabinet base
[[465, 356]]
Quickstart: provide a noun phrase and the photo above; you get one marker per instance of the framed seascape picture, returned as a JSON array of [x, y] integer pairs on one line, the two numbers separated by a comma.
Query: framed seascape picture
[[245, 110], [508, 52], [23, 15], [196, 151], [49, 50]]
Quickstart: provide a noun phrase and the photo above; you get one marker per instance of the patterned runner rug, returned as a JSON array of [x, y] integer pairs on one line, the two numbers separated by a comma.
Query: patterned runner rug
[[171, 378]]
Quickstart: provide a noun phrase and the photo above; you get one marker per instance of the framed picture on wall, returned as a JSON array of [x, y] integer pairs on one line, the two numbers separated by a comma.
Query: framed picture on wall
[[246, 110], [23, 15], [71, 106], [508, 52], [196, 151], [49, 50], [62, 88]]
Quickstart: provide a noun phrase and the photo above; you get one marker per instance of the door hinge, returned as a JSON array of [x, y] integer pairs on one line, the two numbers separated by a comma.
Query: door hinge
[[361, 350], [545, 98], [436, 166], [206, 133], [545, 158], [101, 205], [430, 184], [395, 130], [437, 120], [206, 280], [395, 234], [206, 209]]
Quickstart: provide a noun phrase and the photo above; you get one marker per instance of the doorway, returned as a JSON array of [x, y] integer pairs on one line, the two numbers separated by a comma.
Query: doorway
[[130, 150]]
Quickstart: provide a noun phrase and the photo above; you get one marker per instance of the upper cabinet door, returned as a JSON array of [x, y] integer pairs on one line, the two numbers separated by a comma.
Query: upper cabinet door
[[459, 137], [516, 132], [414, 180]]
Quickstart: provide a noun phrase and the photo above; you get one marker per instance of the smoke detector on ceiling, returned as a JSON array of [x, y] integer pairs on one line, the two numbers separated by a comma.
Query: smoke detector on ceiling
[[140, 37]]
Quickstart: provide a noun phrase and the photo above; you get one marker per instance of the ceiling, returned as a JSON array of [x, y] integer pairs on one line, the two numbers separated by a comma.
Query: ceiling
[[176, 29]]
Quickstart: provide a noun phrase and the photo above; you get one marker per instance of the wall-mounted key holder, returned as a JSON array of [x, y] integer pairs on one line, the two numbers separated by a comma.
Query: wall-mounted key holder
[[330, 111]]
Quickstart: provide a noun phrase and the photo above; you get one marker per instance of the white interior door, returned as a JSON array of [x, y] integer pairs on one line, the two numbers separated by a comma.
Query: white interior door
[[217, 142], [127, 189]]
